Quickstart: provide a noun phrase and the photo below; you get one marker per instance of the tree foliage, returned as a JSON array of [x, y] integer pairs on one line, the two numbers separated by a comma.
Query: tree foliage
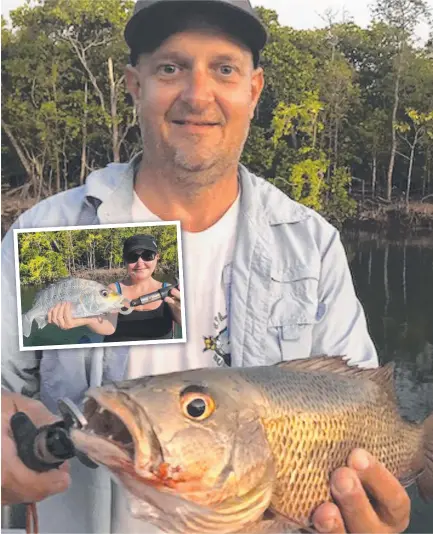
[[339, 102], [48, 256]]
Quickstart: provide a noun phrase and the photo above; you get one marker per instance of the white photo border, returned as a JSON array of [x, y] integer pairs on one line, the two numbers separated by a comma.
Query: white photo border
[[18, 231]]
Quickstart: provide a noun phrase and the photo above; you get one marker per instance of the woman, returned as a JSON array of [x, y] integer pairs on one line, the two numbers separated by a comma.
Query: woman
[[154, 320]]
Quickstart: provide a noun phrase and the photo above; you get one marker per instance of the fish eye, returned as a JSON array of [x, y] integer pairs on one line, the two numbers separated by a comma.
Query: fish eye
[[197, 406], [104, 293]]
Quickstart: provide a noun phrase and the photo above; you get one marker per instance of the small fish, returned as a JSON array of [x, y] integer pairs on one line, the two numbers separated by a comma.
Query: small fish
[[88, 298], [249, 449]]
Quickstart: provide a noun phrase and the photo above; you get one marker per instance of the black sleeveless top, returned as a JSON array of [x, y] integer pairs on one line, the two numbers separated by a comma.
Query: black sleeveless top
[[143, 325]]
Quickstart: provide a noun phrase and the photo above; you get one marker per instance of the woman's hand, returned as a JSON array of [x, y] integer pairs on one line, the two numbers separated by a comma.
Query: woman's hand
[[174, 303], [61, 316]]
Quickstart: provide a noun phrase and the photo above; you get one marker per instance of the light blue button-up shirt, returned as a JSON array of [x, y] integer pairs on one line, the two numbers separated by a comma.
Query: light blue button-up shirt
[[291, 296]]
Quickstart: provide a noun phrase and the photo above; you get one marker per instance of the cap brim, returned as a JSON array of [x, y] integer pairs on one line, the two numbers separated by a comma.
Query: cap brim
[[148, 20], [141, 247]]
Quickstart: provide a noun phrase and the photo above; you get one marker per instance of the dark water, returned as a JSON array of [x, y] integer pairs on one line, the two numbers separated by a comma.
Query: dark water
[[52, 335], [394, 281]]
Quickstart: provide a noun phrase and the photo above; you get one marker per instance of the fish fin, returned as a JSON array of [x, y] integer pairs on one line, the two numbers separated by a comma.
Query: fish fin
[[85, 310], [384, 375], [332, 364], [27, 323], [42, 322], [408, 479], [288, 524], [275, 523], [425, 480]]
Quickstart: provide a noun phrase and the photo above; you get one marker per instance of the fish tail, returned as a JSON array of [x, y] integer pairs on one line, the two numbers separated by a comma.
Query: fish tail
[[27, 323], [42, 322], [425, 480]]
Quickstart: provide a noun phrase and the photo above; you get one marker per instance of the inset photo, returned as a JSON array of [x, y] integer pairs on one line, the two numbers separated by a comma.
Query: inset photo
[[100, 285]]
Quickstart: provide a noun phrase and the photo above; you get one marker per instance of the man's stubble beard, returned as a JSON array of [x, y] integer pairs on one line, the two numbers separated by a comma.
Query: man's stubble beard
[[189, 172]]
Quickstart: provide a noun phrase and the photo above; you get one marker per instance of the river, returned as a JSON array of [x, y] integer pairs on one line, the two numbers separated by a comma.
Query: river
[[394, 281]]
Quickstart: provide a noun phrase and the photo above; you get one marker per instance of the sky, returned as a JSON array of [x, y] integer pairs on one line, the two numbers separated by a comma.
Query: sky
[[301, 14]]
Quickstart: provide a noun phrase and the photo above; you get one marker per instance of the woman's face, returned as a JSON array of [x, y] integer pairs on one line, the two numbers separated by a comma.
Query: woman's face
[[141, 264]]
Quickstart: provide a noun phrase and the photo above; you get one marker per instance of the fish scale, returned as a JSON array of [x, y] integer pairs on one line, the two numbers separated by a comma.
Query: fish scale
[[303, 415]]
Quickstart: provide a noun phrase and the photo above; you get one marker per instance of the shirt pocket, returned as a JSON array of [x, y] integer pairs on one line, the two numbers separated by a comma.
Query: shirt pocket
[[293, 310]]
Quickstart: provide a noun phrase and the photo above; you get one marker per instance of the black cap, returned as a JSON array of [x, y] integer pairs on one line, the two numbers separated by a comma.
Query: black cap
[[139, 242], [155, 20]]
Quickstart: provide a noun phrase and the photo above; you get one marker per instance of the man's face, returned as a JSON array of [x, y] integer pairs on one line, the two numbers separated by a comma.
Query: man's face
[[195, 97]]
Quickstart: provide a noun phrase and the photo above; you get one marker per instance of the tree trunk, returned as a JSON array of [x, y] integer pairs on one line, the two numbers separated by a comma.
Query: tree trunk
[[330, 152], [314, 133], [65, 164], [426, 178], [409, 173], [84, 138], [113, 109], [24, 161], [394, 136], [50, 182], [58, 185], [336, 145], [55, 142], [71, 250], [374, 176]]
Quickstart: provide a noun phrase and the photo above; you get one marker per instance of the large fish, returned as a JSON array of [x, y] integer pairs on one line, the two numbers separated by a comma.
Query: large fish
[[248, 449], [88, 298]]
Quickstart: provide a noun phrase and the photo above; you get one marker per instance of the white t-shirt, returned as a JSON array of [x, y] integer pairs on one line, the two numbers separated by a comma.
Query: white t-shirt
[[205, 254]]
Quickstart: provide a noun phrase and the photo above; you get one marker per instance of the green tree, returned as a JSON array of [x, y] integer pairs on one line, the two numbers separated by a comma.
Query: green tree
[[417, 127], [333, 106], [401, 17]]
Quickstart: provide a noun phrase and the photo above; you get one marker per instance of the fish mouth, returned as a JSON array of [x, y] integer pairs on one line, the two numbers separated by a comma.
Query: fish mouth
[[124, 306], [108, 426], [119, 435]]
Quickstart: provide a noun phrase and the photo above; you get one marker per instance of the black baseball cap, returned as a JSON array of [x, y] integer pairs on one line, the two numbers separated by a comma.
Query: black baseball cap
[[139, 242], [153, 21]]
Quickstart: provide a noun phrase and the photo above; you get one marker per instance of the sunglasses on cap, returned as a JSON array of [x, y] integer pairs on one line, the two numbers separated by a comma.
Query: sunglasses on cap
[[145, 255]]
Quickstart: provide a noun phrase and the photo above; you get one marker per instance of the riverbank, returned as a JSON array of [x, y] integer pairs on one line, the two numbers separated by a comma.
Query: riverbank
[[12, 207], [103, 276], [360, 237], [392, 218], [108, 276], [371, 215]]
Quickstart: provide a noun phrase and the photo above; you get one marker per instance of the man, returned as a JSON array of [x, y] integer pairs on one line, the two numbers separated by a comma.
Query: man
[[266, 279]]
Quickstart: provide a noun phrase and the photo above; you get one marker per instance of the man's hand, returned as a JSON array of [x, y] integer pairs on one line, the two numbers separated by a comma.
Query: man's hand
[[174, 302], [20, 484], [354, 511]]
